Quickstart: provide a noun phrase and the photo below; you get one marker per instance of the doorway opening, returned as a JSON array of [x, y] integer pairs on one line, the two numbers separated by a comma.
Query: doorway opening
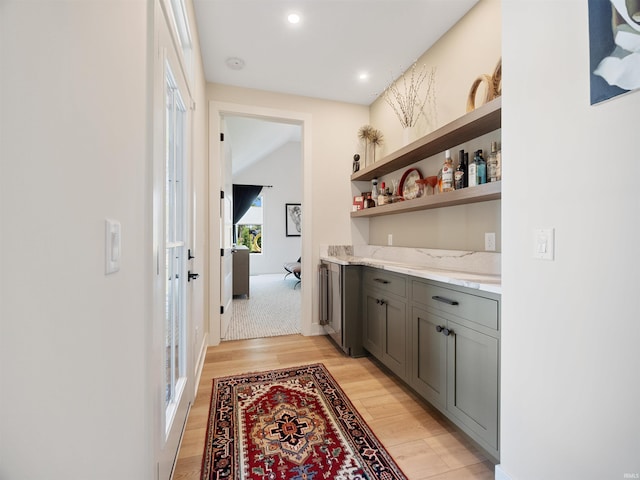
[[266, 173], [219, 114]]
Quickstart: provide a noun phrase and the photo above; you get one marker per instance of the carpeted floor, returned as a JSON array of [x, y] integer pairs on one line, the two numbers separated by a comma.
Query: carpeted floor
[[272, 309]]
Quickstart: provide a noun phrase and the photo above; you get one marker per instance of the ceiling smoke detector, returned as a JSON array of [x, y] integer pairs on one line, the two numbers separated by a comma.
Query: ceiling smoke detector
[[235, 63]]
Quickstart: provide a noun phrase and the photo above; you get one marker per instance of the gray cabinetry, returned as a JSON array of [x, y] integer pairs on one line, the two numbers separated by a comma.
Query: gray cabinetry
[[385, 319], [429, 357], [455, 356], [241, 271]]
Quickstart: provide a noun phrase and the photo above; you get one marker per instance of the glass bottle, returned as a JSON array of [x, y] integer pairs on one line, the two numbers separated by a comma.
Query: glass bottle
[[447, 173], [369, 202], [458, 175], [374, 190], [472, 173], [492, 163], [481, 168], [382, 196], [466, 169]]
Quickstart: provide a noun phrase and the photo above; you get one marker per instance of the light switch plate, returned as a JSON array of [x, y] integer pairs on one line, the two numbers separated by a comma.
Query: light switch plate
[[543, 243], [112, 246]]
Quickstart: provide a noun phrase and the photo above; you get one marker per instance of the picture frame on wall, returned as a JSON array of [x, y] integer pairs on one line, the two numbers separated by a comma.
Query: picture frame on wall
[[614, 40], [293, 219]]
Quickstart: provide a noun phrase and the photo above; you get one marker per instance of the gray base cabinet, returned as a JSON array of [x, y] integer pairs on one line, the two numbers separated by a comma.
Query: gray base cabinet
[[456, 356], [385, 319], [472, 382], [429, 357], [442, 340]]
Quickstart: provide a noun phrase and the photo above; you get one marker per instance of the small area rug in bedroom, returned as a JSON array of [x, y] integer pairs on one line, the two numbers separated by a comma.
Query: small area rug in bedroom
[[289, 424]]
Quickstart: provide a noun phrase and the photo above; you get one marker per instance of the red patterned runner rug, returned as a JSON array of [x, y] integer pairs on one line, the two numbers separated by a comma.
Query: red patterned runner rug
[[290, 424]]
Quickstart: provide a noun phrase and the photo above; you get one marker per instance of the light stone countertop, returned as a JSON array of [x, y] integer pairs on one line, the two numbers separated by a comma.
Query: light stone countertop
[[477, 270]]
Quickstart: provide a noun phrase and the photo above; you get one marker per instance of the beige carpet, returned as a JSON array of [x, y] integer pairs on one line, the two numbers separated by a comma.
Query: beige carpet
[[272, 309]]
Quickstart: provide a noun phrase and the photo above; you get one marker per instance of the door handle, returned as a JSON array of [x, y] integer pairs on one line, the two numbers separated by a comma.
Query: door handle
[[192, 276]]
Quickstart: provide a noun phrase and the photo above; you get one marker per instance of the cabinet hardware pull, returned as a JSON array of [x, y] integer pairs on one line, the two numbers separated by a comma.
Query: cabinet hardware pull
[[381, 280], [438, 298], [447, 332], [439, 328]]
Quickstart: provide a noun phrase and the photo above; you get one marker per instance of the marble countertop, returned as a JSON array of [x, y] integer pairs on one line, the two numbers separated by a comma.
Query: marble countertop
[[477, 270]]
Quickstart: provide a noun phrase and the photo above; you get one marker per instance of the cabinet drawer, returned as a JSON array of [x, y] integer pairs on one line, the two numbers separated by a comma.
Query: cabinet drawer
[[386, 282], [480, 310]]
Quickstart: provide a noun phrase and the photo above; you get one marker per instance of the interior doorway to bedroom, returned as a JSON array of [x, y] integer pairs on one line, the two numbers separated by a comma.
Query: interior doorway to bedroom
[[266, 173]]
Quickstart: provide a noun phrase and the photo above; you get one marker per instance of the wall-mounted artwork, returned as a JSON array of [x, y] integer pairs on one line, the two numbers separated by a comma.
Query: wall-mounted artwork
[[293, 213], [614, 45]]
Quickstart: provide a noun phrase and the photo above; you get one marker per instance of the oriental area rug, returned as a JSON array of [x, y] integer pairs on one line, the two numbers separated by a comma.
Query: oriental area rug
[[290, 424]]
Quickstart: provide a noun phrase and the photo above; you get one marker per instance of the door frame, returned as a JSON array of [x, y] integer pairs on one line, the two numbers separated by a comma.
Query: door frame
[[218, 110]]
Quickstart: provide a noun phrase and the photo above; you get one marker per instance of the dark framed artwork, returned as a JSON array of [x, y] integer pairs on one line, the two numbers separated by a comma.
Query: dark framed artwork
[[614, 48], [293, 219]]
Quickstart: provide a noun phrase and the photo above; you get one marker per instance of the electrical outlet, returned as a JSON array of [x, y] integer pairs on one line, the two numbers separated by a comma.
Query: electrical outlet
[[390, 239], [490, 242]]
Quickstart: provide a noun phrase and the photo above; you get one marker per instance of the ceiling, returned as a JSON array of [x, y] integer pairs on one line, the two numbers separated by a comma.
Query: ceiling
[[323, 55], [252, 139]]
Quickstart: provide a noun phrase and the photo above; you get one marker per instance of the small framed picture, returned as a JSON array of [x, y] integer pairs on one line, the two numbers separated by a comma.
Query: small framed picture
[[293, 219]]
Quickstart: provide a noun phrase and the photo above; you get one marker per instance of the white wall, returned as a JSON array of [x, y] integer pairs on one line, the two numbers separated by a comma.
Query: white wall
[[282, 169], [470, 48], [571, 329], [73, 343], [79, 386]]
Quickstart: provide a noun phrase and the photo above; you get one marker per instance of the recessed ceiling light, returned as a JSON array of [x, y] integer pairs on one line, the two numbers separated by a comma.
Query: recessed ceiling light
[[235, 63], [363, 76], [293, 18]]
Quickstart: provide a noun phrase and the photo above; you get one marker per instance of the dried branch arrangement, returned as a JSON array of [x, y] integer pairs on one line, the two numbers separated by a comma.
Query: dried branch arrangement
[[405, 94]]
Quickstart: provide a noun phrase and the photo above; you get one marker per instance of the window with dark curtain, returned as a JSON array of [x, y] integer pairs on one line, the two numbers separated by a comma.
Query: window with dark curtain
[[243, 197]]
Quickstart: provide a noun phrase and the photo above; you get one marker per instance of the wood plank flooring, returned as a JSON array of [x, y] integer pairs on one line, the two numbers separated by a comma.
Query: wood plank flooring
[[422, 442]]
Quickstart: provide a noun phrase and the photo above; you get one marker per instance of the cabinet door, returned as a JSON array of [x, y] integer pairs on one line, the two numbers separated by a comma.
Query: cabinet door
[[373, 319], [429, 356], [473, 381], [394, 354]]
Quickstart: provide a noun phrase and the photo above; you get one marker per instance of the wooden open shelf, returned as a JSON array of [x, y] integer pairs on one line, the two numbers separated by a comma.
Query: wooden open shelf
[[483, 119], [480, 193]]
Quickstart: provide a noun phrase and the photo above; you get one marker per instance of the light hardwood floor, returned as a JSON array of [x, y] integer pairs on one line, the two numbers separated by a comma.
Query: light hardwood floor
[[422, 442]]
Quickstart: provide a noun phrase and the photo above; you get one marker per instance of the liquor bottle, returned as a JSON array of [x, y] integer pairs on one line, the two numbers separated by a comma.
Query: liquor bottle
[[466, 169], [481, 168], [458, 175], [492, 164], [499, 163], [374, 190], [369, 202], [382, 196], [472, 172], [447, 173]]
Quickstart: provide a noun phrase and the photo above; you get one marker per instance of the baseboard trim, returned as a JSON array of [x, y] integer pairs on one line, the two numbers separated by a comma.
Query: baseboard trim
[[201, 358], [501, 474]]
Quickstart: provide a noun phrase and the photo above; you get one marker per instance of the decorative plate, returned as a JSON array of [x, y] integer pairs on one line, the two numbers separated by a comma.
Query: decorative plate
[[408, 186]]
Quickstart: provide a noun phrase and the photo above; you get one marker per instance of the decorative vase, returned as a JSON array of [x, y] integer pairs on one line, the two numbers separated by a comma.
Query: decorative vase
[[406, 136]]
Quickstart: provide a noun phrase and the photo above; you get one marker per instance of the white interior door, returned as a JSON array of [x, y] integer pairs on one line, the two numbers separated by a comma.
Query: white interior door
[[226, 236]]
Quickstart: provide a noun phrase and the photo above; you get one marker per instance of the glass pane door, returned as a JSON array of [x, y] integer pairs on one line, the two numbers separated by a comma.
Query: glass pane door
[[175, 202]]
